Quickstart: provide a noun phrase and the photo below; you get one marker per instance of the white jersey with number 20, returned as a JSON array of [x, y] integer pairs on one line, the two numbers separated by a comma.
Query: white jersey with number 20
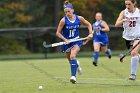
[[131, 27]]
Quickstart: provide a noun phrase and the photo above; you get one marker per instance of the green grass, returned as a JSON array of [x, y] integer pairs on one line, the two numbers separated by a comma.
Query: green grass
[[24, 76]]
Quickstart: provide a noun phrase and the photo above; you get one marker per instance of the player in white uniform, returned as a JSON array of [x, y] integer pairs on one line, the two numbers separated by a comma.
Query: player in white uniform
[[130, 18]]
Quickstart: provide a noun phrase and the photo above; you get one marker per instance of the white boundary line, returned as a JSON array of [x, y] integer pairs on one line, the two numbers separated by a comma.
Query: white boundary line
[[95, 82], [103, 79]]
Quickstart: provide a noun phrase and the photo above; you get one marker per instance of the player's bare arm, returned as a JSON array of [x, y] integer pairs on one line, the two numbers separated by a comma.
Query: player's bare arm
[[105, 27], [59, 29], [120, 19], [85, 22]]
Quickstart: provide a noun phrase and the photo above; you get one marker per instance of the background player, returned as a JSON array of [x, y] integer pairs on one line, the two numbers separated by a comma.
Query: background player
[[130, 18], [68, 28], [100, 37]]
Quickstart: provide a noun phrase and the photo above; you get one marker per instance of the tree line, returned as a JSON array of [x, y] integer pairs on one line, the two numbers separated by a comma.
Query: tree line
[[43, 13], [46, 13]]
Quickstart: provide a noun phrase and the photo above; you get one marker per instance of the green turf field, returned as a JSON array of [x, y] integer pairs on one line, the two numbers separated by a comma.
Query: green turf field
[[24, 76]]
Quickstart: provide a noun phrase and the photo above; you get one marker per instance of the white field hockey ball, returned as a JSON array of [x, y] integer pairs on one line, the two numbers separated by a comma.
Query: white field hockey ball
[[40, 87]]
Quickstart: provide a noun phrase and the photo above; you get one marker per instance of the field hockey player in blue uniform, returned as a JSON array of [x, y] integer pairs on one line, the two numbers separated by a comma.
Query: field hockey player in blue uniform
[[68, 28], [100, 38]]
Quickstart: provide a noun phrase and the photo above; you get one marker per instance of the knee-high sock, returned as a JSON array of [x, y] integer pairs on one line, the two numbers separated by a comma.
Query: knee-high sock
[[74, 65], [96, 55], [134, 64], [108, 52]]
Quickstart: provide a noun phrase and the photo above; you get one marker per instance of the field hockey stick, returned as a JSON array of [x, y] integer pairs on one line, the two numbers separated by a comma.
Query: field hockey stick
[[61, 43], [128, 52]]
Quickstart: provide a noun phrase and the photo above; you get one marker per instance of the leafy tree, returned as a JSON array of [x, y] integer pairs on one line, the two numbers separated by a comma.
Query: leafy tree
[[12, 15], [88, 8]]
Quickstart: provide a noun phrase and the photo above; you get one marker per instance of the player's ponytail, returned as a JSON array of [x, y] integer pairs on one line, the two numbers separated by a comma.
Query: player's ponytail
[[67, 4]]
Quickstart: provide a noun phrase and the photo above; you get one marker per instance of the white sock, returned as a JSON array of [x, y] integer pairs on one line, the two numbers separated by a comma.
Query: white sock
[[134, 64], [78, 63]]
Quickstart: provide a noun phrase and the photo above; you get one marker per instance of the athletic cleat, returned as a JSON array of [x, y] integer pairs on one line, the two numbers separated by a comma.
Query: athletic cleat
[[73, 79], [110, 54], [132, 77], [94, 63], [79, 69]]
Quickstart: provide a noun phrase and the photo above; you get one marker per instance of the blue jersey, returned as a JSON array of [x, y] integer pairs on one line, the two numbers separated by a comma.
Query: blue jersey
[[71, 31], [100, 36]]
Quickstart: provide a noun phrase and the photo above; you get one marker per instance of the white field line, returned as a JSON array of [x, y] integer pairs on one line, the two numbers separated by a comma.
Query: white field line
[[103, 79]]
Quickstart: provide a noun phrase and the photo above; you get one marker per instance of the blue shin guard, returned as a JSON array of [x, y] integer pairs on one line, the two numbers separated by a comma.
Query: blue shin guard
[[74, 66], [96, 55], [108, 52]]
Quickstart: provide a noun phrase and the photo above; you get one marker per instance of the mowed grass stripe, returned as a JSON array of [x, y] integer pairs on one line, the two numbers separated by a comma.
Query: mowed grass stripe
[[24, 76]]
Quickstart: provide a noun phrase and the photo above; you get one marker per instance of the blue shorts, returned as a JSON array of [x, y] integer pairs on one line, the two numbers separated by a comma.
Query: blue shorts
[[103, 40], [68, 47]]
